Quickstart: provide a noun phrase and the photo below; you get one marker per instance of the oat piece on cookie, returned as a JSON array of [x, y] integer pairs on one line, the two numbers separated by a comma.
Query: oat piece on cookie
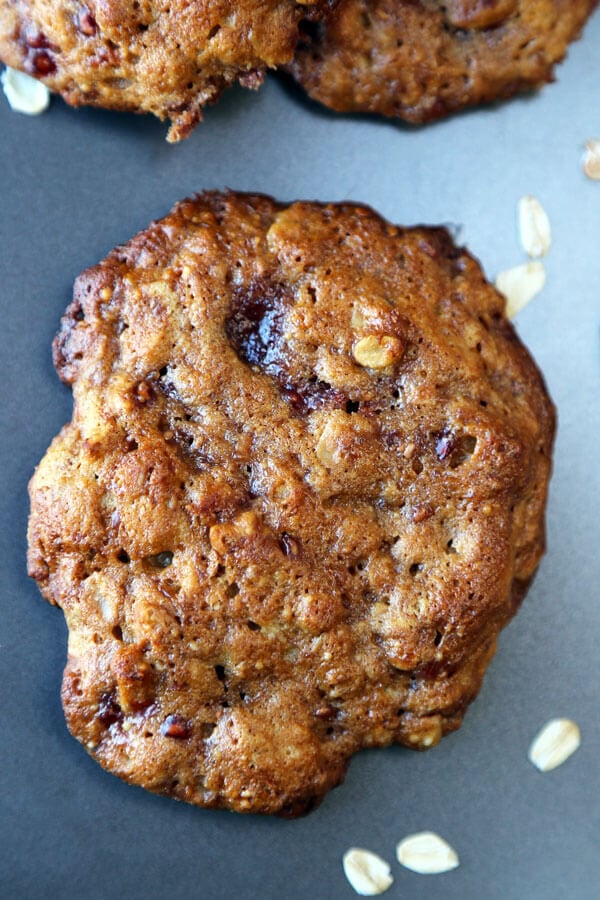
[[422, 59], [167, 57], [302, 491]]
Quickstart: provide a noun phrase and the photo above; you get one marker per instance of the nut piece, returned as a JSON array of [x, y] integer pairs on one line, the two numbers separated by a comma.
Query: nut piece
[[24, 93], [426, 853], [226, 535], [534, 227], [328, 447], [344, 442], [591, 159], [368, 873], [520, 285], [377, 351], [558, 739]]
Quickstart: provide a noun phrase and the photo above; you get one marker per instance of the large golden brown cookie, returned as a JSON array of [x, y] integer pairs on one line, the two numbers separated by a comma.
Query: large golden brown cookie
[[422, 59], [167, 57], [302, 491]]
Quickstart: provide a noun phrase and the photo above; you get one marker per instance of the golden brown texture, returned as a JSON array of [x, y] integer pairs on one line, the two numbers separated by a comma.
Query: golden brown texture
[[302, 491], [422, 59], [167, 57]]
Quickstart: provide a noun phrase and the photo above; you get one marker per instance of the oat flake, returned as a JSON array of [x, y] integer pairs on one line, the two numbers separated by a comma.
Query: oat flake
[[591, 159], [520, 285], [24, 93], [534, 227], [555, 743], [426, 853], [368, 873]]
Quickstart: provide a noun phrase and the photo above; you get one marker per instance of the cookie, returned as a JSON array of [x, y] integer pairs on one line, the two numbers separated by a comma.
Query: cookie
[[422, 59], [167, 58], [302, 491]]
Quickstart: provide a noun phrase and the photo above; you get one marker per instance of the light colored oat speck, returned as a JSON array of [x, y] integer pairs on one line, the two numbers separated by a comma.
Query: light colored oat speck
[[24, 93], [426, 853], [368, 873], [520, 285], [555, 743], [591, 159], [534, 227]]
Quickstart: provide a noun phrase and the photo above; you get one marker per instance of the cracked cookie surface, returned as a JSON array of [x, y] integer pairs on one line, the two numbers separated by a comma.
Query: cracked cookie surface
[[422, 59], [167, 57], [302, 490]]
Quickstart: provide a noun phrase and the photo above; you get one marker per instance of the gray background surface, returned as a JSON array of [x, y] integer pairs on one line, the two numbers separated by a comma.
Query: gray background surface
[[75, 183]]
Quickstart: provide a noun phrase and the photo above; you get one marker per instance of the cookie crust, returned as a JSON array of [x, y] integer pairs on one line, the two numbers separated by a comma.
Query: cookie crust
[[419, 60], [302, 491]]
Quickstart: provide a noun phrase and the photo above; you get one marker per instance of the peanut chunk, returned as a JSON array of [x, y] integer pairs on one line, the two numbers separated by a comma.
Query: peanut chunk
[[344, 443], [226, 535], [377, 351]]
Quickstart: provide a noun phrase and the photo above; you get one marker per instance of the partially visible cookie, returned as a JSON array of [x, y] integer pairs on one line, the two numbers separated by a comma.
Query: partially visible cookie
[[302, 491], [167, 57], [422, 59]]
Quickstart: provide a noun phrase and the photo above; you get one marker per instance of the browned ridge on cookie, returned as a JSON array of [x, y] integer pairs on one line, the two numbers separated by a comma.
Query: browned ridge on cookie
[[302, 491], [167, 57], [422, 59]]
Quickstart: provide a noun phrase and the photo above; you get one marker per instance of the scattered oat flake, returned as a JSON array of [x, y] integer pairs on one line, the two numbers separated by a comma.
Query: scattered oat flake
[[555, 743], [368, 873], [591, 159], [426, 853], [24, 93], [534, 227], [520, 285]]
